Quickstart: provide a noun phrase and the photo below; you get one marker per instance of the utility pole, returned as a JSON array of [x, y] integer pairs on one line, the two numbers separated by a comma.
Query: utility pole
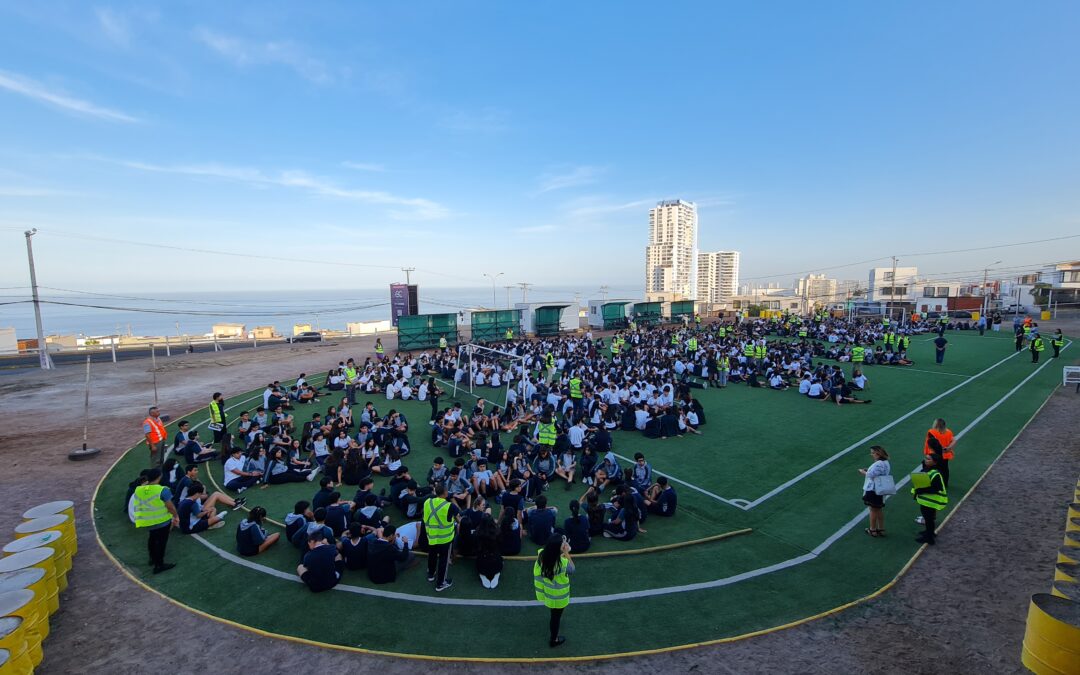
[[892, 289], [524, 291], [508, 295], [603, 293], [43, 351], [986, 300], [493, 277], [407, 271]]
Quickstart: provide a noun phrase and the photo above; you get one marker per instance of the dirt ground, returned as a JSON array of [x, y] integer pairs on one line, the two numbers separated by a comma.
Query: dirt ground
[[960, 609]]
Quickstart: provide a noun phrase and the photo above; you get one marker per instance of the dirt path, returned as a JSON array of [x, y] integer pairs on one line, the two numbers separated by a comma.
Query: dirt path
[[960, 609]]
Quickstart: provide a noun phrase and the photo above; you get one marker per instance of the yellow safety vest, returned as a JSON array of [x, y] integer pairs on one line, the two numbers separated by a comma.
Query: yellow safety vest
[[378, 348], [933, 500], [546, 433], [216, 413], [442, 343], [575, 388], [554, 593], [149, 508], [437, 522]]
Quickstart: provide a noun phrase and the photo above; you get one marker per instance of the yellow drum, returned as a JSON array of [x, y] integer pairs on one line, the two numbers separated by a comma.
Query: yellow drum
[[58, 522], [36, 558], [51, 509], [32, 579], [46, 538], [20, 604], [14, 651]]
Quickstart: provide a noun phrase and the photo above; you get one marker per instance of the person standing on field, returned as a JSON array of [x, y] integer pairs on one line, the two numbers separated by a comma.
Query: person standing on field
[[551, 581], [939, 348]]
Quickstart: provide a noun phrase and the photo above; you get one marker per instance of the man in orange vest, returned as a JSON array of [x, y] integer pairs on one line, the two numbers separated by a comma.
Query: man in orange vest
[[940, 441], [154, 429]]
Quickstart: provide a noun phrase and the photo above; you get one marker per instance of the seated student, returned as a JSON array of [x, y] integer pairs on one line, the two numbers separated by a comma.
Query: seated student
[[183, 486], [689, 421], [367, 487], [195, 452], [483, 480], [625, 525], [387, 555], [465, 543], [316, 524], [576, 528], [843, 394], [181, 438], [641, 475], [251, 538], [198, 512], [322, 497], [804, 384], [489, 560], [669, 423], [438, 472], [338, 514], [298, 520], [280, 470], [567, 465], [236, 478], [411, 500], [858, 380], [777, 381], [816, 390], [354, 546], [595, 512], [510, 531], [369, 514], [540, 521], [322, 566], [660, 499]]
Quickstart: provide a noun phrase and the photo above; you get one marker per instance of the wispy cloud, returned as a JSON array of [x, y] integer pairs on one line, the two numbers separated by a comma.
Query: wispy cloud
[[364, 166], [537, 229], [114, 25], [579, 175], [243, 53], [27, 87], [486, 120], [404, 207], [591, 207]]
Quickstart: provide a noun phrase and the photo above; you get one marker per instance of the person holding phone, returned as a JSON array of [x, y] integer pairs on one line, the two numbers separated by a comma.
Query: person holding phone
[[551, 581], [874, 501]]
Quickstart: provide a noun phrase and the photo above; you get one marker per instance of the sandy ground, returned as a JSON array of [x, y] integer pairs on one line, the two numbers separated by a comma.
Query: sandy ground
[[960, 609]]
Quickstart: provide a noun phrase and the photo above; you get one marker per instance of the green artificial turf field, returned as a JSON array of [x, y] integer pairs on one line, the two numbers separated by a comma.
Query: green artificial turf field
[[776, 463]]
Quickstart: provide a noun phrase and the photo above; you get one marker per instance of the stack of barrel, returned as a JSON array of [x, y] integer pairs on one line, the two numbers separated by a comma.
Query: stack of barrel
[[1052, 638], [33, 571]]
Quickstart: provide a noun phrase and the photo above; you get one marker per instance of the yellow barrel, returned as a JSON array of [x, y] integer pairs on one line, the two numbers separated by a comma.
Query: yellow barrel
[[36, 540], [32, 579], [1073, 525], [1052, 638], [21, 604], [1066, 589], [1067, 572], [1067, 554], [1044, 316], [1072, 539], [60, 522], [14, 650], [42, 558], [51, 509]]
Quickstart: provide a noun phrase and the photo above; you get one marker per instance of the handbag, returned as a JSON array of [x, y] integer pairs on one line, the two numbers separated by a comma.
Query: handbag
[[884, 485]]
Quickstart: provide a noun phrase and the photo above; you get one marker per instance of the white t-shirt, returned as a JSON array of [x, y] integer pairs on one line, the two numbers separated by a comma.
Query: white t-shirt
[[233, 464], [815, 389], [576, 436]]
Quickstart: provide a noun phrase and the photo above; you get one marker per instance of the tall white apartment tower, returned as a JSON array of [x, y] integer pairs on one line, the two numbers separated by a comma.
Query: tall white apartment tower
[[671, 256], [718, 277]]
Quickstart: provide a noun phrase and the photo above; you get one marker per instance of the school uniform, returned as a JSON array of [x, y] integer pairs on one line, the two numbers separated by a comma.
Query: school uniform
[[323, 571], [249, 537]]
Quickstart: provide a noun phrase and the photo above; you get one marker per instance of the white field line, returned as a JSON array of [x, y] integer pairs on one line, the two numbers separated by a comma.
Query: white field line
[[825, 462], [738, 503], [932, 372]]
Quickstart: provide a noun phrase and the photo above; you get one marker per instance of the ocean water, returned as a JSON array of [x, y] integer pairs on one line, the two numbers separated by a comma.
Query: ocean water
[[195, 313]]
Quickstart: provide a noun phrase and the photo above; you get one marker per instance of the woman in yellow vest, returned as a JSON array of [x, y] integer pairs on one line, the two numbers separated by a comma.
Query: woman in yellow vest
[[154, 510], [551, 581]]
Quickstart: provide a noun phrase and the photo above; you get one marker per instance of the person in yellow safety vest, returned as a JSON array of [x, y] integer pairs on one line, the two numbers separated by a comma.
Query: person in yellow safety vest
[[218, 420], [675, 340], [1038, 346], [697, 320], [379, 351], [887, 338], [858, 355], [442, 342], [905, 343], [761, 351], [546, 434], [1027, 331], [1057, 342], [351, 375], [155, 512], [509, 334], [575, 395], [885, 322], [721, 331], [691, 345], [615, 346], [154, 430], [440, 524], [803, 332], [633, 325], [724, 366], [551, 581], [749, 351], [930, 499]]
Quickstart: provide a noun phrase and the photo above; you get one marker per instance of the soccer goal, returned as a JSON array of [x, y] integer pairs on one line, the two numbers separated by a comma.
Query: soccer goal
[[472, 358]]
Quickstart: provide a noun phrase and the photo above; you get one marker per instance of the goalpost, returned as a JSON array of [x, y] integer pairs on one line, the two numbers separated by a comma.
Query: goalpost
[[515, 366]]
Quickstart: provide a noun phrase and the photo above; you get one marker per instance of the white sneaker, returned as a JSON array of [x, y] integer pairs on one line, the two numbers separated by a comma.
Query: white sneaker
[[920, 520], [217, 525], [311, 476], [223, 514]]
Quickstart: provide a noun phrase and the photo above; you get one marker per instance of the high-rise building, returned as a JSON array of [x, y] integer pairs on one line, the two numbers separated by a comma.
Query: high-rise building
[[718, 277], [816, 289], [671, 256]]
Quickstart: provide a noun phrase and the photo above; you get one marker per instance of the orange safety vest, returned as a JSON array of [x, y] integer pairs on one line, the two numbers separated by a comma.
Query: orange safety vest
[[157, 429], [944, 438]]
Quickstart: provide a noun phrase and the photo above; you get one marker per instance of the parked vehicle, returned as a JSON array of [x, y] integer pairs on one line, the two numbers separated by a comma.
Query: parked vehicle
[[307, 336]]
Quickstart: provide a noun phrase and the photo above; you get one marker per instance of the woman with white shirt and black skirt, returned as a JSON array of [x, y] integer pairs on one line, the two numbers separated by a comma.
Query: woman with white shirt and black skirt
[[872, 499]]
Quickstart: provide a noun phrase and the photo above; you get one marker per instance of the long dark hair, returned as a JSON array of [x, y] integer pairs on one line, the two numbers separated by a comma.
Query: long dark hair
[[487, 536], [550, 556]]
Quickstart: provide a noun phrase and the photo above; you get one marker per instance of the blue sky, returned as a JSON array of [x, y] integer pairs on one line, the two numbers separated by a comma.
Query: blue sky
[[529, 138]]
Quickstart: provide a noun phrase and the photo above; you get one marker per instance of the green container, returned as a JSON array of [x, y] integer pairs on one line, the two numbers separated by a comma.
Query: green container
[[648, 312], [614, 315], [546, 319], [423, 331], [491, 326]]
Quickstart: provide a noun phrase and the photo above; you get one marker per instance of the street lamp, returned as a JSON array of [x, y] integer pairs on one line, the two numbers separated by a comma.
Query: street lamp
[[986, 302], [493, 277]]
